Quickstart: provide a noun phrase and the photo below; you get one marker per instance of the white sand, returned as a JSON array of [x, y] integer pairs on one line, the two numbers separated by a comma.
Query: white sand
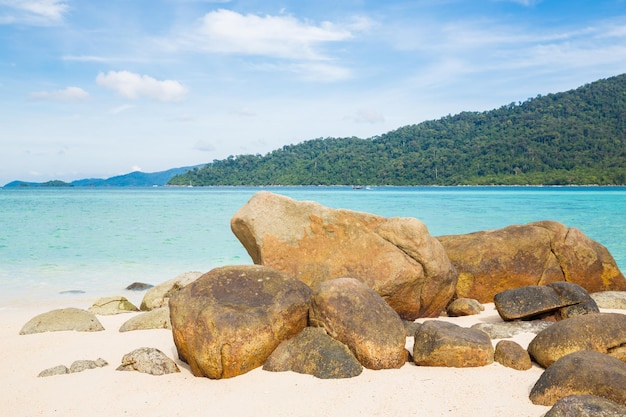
[[492, 390]]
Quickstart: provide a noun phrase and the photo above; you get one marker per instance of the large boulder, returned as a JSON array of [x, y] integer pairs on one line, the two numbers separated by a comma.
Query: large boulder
[[314, 352], [582, 372], [229, 320], [490, 262], [357, 316], [63, 319], [396, 257], [440, 343], [602, 332]]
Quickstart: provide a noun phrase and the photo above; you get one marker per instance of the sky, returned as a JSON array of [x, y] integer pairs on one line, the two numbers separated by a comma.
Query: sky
[[97, 89]]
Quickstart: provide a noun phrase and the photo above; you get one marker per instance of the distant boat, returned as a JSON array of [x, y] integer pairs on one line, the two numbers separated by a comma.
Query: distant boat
[[357, 187], [190, 186]]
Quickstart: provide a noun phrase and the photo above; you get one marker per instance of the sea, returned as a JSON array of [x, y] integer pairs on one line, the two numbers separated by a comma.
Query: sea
[[62, 244]]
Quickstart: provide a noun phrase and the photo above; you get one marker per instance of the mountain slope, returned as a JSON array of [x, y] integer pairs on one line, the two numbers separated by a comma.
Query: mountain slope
[[133, 179], [574, 137]]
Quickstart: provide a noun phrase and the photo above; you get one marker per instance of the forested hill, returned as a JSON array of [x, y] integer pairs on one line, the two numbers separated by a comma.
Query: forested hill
[[575, 137]]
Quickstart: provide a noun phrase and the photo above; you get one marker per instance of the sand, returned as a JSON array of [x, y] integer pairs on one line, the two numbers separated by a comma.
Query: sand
[[493, 390]]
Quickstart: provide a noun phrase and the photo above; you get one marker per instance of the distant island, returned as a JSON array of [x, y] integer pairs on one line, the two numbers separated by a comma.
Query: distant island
[[133, 179], [575, 137]]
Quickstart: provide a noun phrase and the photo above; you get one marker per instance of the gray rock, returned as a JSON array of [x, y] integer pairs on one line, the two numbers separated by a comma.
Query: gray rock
[[112, 305], [61, 320], [508, 329], [584, 405], [610, 299], [315, 353], [77, 366], [148, 361], [57, 370], [439, 343], [83, 365], [155, 319], [139, 286]]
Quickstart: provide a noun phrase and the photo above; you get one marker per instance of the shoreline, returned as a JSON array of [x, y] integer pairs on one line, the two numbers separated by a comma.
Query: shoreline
[[492, 390]]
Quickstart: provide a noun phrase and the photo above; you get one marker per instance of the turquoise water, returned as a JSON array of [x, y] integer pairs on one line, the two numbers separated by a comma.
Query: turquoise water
[[100, 240]]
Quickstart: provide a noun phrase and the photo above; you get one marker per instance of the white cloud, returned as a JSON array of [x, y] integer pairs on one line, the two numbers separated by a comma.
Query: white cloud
[[286, 37], [34, 11], [67, 94], [134, 86]]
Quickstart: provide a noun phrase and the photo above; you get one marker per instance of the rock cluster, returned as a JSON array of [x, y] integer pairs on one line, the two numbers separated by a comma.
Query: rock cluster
[[76, 366], [330, 289], [396, 257]]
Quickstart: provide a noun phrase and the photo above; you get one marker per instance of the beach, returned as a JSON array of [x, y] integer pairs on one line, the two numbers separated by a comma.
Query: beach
[[492, 390]]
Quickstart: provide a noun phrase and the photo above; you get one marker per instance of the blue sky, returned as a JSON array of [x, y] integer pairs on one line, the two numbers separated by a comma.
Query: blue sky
[[97, 89]]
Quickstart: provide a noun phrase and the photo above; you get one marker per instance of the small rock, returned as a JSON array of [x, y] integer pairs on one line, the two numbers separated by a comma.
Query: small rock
[[148, 361], [61, 320], [439, 343], [584, 405], [112, 305], [512, 355], [57, 370], [83, 365], [464, 307], [155, 319], [139, 286]]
